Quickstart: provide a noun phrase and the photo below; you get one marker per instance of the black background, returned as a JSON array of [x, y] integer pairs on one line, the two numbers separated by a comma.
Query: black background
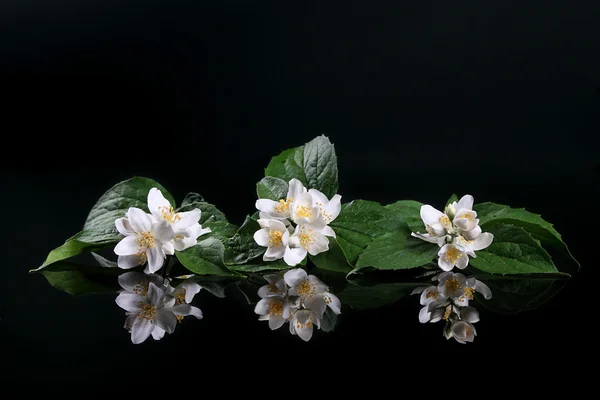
[[422, 100]]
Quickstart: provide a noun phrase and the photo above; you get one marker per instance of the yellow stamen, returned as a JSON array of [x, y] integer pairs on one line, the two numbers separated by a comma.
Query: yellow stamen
[[448, 312], [306, 238], [147, 311], [303, 211], [276, 308], [444, 220], [306, 289], [452, 255], [275, 238], [469, 292], [273, 288], [283, 206], [141, 289], [431, 294], [180, 297], [169, 214], [452, 284], [466, 216]]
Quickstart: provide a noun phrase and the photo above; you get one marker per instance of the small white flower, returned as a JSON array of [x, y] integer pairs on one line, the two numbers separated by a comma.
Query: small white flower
[[275, 236], [471, 246], [463, 329], [302, 323], [430, 295], [276, 286], [451, 255], [306, 239], [275, 309], [313, 293], [437, 224], [185, 224], [460, 289], [270, 209], [304, 209], [329, 209], [144, 241]]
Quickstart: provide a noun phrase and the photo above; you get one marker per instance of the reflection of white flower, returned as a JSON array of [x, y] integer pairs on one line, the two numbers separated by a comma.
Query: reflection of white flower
[[306, 239], [270, 209], [430, 295], [273, 235], [185, 224], [276, 286], [463, 329], [302, 324], [275, 309], [310, 290], [144, 241]]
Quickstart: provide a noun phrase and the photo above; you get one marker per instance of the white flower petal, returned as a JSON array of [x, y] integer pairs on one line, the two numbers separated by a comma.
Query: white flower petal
[[296, 188], [276, 225], [483, 289], [418, 289], [316, 304], [139, 220], [266, 205], [128, 262], [191, 289], [295, 277], [333, 302], [462, 261], [156, 259], [185, 309], [465, 202], [483, 241], [334, 207], [429, 295], [165, 319], [162, 231], [274, 253], [328, 231], [262, 307], [293, 257], [141, 329], [156, 201], [317, 284], [430, 215], [319, 245], [155, 295], [158, 333], [129, 280], [276, 322], [469, 314], [472, 234], [124, 227], [129, 302], [437, 314], [187, 219], [303, 324], [444, 264], [424, 315], [262, 238], [127, 246]]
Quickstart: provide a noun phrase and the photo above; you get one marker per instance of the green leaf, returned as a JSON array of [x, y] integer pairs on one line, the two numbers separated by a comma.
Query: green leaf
[[208, 212], [533, 223], [320, 166], [359, 223], [287, 165], [242, 248], [333, 259], [314, 164], [271, 188], [220, 229], [366, 297], [452, 199], [191, 197], [78, 279], [116, 201], [513, 294], [84, 241], [205, 258], [408, 211], [397, 250], [513, 251]]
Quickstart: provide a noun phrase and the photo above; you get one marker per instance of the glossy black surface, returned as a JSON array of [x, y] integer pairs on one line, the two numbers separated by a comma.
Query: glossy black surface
[[421, 101]]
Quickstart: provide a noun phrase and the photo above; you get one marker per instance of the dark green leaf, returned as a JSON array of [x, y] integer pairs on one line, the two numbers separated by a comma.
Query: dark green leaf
[[242, 248], [191, 197], [80, 279], [397, 250], [513, 251], [359, 223], [320, 166], [408, 211], [533, 223], [287, 165], [116, 201], [220, 229], [333, 259], [271, 188], [452, 199], [205, 258], [208, 212]]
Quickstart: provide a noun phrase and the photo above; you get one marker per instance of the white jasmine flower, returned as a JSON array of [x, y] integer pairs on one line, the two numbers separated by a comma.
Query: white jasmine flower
[[275, 309], [460, 289], [270, 209], [304, 209], [275, 236], [451, 255], [471, 246], [184, 224], [302, 323], [305, 239], [137, 282], [464, 218], [437, 224], [329, 209], [463, 329], [276, 286], [313, 293], [144, 241], [184, 292]]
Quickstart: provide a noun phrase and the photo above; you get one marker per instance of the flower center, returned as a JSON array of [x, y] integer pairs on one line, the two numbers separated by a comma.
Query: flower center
[[306, 289], [469, 293], [275, 238], [147, 311], [303, 211], [273, 288], [452, 255], [141, 289], [306, 239], [283, 206], [444, 220], [467, 332], [276, 308], [169, 214], [145, 240], [432, 293], [452, 284], [180, 297], [466, 216]]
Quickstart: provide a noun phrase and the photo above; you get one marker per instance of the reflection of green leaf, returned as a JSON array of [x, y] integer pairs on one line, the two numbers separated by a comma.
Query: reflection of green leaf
[[491, 213], [359, 223], [78, 279], [513, 294], [513, 251], [397, 250], [260, 265], [205, 258], [114, 203], [333, 259], [328, 321], [271, 188], [365, 297], [215, 285]]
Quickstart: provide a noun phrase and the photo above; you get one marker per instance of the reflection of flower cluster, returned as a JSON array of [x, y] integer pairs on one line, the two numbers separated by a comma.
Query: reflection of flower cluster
[[449, 300], [150, 237], [153, 306], [310, 210], [298, 298], [456, 231]]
